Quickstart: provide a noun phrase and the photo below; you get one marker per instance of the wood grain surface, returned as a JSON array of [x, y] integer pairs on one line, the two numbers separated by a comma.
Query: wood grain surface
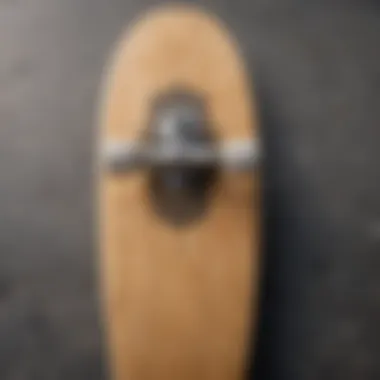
[[179, 303]]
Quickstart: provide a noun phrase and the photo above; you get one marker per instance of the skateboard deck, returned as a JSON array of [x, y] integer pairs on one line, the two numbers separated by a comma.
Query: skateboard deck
[[179, 300]]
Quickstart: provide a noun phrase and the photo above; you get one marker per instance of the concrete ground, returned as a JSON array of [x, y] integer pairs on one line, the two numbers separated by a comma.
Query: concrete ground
[[316, 65]]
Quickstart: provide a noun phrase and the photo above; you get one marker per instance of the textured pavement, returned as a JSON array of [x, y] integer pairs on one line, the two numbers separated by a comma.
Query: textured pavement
[[316, 66]]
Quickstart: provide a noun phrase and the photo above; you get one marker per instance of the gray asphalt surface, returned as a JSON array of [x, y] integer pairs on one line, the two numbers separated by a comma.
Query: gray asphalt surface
[[316, 65]]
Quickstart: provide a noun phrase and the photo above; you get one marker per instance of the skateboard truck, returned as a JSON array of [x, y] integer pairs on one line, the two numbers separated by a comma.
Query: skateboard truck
[[179, 137], [182, 156]]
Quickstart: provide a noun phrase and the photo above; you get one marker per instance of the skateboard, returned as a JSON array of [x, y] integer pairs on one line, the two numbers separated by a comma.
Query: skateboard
[[179, 201]]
